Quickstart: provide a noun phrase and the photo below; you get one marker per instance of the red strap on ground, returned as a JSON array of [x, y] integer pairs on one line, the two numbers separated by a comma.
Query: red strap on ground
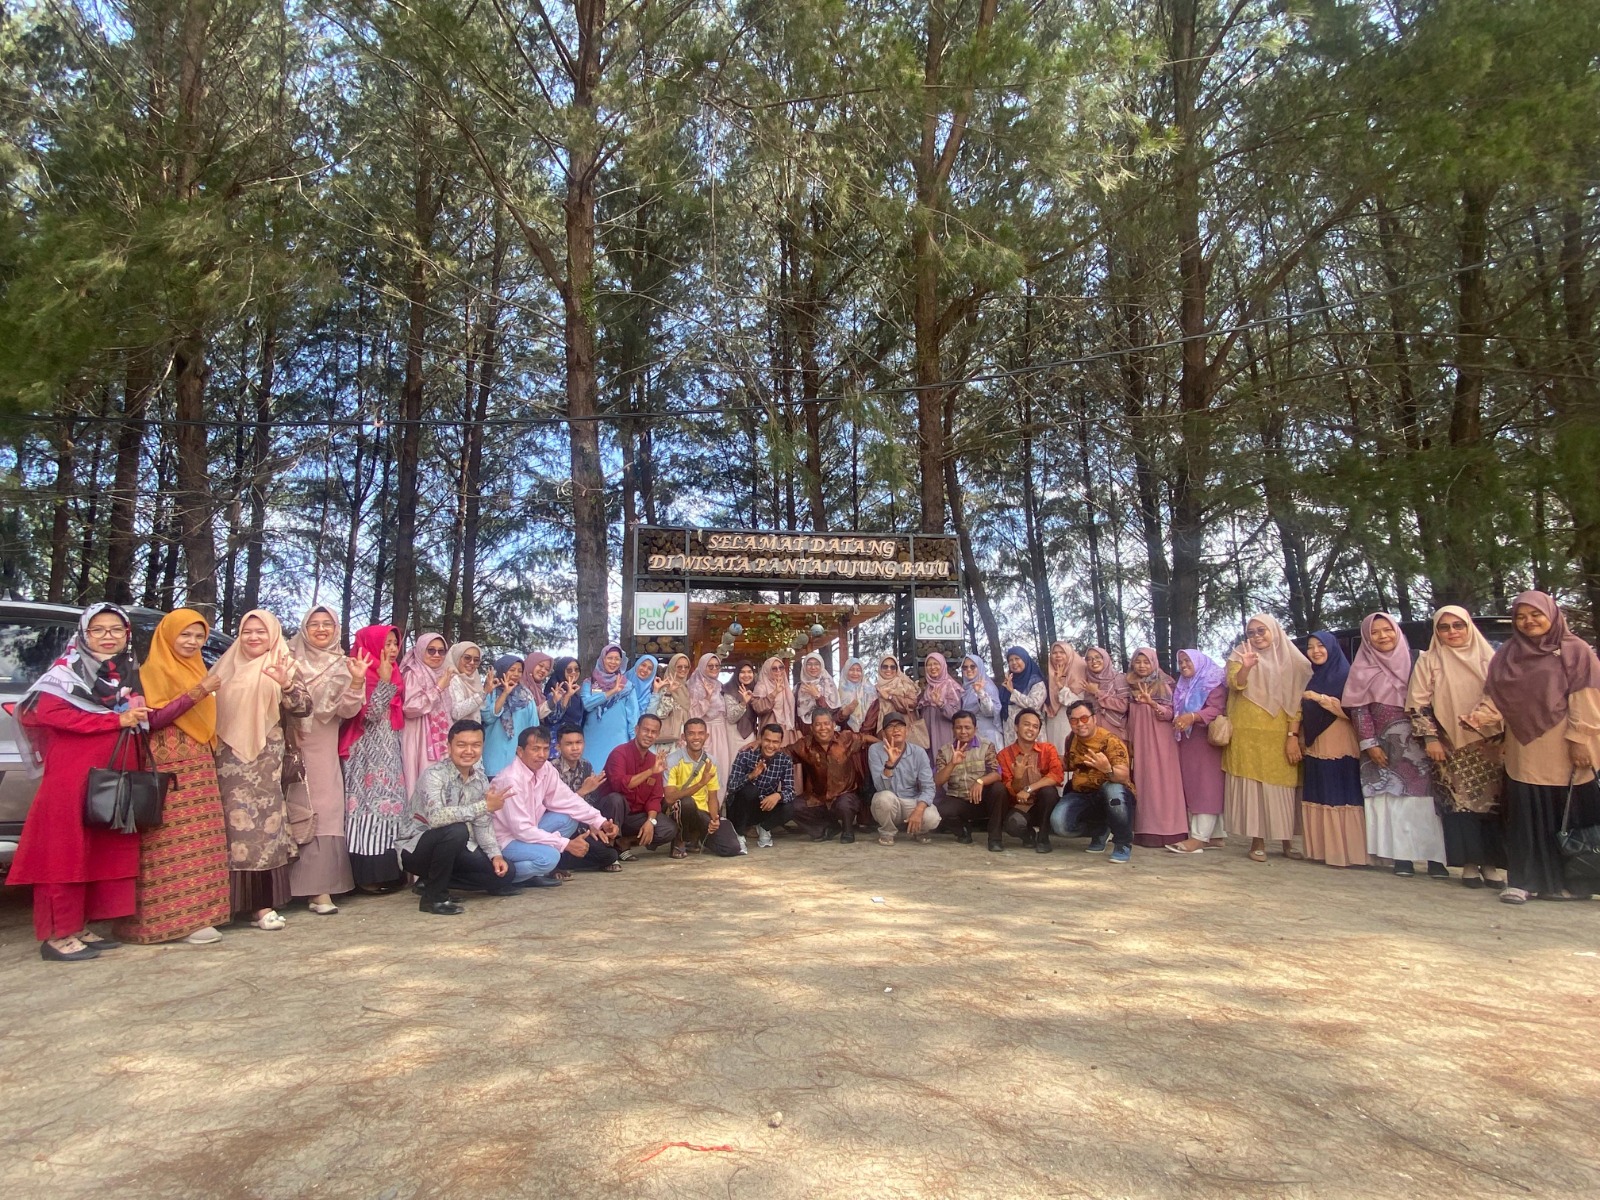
[[686, 1146]]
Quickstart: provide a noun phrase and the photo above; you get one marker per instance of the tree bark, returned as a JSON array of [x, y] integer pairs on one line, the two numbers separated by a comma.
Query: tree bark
[[196, 508], [139, 384], [260, 470]]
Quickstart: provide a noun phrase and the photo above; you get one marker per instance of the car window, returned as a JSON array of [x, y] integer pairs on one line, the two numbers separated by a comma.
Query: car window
[[27, 648]]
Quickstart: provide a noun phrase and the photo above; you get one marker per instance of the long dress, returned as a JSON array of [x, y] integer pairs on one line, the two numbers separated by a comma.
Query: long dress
[[733, 711], [1332, 812], [1160, 817], [256, 809], [78, 873], [1200, 765], [1260, 785], [713, 711], [608, 721], [1472, 821], [323, 867], [375, 793], [500, 745], [183, 863], [422, 742], [672, 706], [937, 716], [1402, 823]]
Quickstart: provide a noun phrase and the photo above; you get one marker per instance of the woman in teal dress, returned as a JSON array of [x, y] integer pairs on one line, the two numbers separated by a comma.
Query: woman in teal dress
[[610, 707]]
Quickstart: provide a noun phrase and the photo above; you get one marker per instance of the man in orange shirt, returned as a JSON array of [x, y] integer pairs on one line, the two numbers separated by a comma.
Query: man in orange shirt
[[1100, 793], [1032, 773]]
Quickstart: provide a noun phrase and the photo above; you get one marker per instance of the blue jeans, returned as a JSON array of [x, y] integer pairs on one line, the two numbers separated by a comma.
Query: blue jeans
[[528, 859], [1092, 814]]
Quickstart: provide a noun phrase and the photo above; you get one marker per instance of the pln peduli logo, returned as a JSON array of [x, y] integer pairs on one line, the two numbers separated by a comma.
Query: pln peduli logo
[[938, 620], [661, 614]]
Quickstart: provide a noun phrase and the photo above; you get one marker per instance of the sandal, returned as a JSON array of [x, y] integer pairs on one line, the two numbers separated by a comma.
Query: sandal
[[1513, 896], [269, 921], [1294, 855], [612, 868], [561, 873], [679, 852], [1258, 856], [627, 856], [1177, 848]]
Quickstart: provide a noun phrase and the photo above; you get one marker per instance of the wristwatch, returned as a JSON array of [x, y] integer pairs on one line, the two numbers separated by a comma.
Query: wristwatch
[[652, 820]]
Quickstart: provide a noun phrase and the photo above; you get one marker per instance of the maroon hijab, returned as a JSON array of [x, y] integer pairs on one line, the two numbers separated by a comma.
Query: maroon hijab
[[1529, 680]]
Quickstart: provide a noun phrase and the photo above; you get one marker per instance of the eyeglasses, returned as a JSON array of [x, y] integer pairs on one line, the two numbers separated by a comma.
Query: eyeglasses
[[1453, 626], [471, 658], [1079, 720]]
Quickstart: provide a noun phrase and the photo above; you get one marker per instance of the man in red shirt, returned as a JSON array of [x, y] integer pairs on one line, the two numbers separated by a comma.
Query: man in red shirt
[[637, 775], [1032, 773]]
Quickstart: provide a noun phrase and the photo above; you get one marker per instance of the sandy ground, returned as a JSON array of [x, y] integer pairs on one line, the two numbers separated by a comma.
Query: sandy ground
[[998, 1026]]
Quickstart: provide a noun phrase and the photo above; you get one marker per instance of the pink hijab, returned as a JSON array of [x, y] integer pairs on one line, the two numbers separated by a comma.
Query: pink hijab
[[1377, 677], [1529, 681]]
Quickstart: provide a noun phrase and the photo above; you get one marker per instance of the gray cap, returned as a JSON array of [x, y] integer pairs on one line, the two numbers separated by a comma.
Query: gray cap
[[894, 718]]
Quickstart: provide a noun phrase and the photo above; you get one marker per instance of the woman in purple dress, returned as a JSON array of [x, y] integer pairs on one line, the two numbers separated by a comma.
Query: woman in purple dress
[[1199, 698], [1159, 816]]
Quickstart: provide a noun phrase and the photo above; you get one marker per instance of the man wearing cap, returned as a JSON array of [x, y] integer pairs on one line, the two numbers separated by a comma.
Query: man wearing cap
[[902, 778]]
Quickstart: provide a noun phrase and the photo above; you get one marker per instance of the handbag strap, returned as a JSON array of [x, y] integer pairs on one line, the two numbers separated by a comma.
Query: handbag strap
[[1566, 812], [143, 756]]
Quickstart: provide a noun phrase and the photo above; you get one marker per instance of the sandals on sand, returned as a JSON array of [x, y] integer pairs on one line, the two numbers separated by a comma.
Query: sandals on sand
[[1258, 856]]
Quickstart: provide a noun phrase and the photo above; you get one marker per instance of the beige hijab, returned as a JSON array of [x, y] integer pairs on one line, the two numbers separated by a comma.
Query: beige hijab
[[326, 673], [247, 701], [1450, 679], [1278, 680]]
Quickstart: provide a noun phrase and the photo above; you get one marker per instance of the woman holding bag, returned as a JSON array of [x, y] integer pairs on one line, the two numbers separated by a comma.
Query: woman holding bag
[[260, 691], [72, 717], [182, 889]]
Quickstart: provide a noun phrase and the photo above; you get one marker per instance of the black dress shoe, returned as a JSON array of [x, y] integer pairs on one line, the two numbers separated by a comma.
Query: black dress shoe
[[996, 845], [50, 954], [541, 881], [1042, 843], [1029, 838], [511, 890], [1437, 870], [441, 908], [963, 835], [1404, 869], [100, 943], [847, 837]]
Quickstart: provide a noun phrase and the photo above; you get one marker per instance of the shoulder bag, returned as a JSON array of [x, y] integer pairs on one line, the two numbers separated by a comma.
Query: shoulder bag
[[1580, 848], [127, 801], [1220, 731]]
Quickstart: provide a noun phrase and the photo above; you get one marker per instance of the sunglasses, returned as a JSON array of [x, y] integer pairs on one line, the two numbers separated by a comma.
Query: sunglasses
[[472, 658], [433, 652], [1453, 626]]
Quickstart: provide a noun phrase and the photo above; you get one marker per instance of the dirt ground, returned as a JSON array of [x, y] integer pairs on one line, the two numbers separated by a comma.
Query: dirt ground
[[1000, 1025]]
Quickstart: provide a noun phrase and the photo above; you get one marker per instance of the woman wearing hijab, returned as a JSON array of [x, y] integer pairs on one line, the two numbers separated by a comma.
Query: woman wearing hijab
[[610, 709], [508, 709], [467, 687], [1024, 690], [672, 703], [706, 701], [1402, 823], [425, 669], [1066, 674], [817, 690], [1198, 698], [374, 765], [337, 686], [1332, 812], [1267, 677], [773, 702], [566, 695], [737, 695], [939, 703], [1107, 687], [1160, 816], [72, 717], [1544, 686], [259, 695], [899, 694], [1446, 685], [182, 889], [856, 695], [645, 679], [536, 669], [981, 698]]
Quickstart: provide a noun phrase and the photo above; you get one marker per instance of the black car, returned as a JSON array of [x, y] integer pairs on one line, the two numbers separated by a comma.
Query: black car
[[32, 636]]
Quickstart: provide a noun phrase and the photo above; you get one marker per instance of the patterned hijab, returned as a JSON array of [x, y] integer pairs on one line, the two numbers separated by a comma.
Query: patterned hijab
[[519, 697], [85, 681], [825, 682], [603, 679], [166, 675]]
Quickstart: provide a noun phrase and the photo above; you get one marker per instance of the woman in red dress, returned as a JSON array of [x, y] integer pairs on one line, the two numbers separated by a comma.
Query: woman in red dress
[[72, 717]]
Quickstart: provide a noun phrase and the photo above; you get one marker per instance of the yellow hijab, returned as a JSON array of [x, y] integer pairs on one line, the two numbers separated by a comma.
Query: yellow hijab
[[166, 675]]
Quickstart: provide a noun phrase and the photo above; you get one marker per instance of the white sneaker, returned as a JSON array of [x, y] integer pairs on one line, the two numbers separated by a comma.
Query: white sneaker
[[764, 839], [744, 847], [204, 936]]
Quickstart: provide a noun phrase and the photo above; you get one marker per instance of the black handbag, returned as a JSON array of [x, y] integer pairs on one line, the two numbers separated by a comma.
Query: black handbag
[[1580, 848], [127, 801]]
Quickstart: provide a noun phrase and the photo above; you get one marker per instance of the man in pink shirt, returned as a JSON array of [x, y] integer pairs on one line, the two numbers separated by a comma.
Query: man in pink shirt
[[546, 830]]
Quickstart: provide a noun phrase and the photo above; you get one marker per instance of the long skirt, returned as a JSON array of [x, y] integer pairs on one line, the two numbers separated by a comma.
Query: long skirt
[[717, 746], [1404, 828], [1259, 810], [251, 891], [183, 865], [1332, 814], [1533, 818], [1474, 838]]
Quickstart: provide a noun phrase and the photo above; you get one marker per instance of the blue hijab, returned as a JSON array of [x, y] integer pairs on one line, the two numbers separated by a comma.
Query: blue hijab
[[1023, 683], [644, 690], [1327, 680]]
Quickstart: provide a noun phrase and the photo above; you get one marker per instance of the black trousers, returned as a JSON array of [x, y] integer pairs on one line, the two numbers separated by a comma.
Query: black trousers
[[959, 812], [441, 859], [744, 808], [842, 811], [696, 826], [666, 825]]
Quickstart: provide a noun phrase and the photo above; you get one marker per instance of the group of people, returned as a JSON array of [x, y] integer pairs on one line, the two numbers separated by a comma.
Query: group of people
[[300, 768]]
